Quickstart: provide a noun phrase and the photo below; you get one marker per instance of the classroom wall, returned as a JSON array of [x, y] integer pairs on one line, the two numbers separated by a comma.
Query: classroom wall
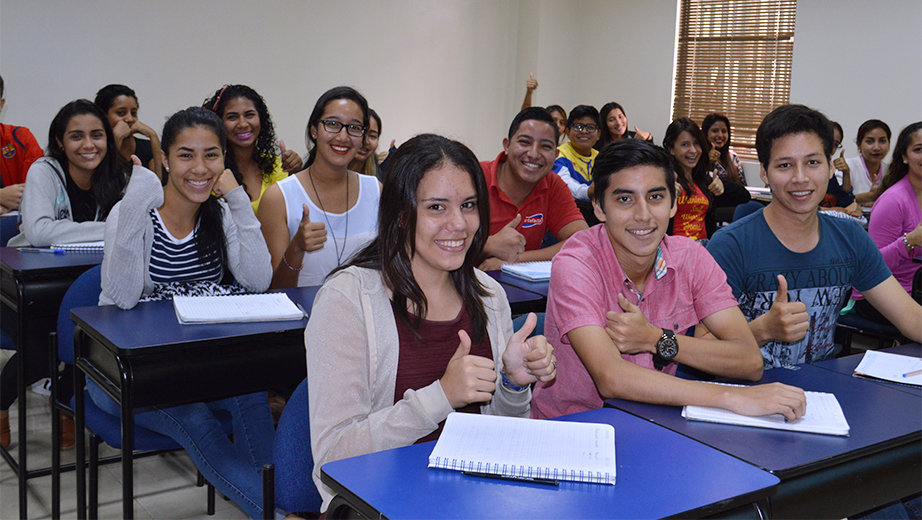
[[456, 67]]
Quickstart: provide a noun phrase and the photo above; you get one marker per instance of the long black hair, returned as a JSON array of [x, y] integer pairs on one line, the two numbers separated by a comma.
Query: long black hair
[[109, 179], [266, 149], [210, 215], [606, 136], [331, 95], [391, 252], [700, 171], [898, 169], [724, 150]]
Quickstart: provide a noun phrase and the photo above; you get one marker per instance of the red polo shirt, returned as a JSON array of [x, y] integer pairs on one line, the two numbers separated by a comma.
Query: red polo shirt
[[17, 153], [550, 206]]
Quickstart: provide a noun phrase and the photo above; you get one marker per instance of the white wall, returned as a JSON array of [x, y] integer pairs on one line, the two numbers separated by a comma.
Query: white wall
[[452, 66]]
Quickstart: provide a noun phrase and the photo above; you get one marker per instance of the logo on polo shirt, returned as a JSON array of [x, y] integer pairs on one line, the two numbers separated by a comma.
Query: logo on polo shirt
[[9, 151], [533, 220]]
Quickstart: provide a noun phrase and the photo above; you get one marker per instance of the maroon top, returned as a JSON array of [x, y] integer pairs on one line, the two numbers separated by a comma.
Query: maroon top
[[421, 363]]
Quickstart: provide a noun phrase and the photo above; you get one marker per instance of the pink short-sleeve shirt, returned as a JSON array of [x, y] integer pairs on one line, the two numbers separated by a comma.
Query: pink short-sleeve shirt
[[586, 279]]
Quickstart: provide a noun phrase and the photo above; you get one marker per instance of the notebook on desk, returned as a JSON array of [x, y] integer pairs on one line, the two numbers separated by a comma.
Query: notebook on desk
[[531, 271], [518, 448], [236, 308], [890, 367], [95, 247]]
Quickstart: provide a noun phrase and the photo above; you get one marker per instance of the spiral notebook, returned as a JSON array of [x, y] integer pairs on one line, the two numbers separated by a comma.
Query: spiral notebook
[[514, 447], [88, 247], [236, 308], [532, 271], [890, 367]]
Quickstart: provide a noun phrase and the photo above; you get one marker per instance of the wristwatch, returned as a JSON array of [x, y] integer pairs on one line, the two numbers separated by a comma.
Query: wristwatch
[[666, 349]]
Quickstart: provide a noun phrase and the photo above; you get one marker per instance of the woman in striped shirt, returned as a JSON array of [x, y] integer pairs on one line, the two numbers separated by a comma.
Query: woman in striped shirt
[[180, 239]]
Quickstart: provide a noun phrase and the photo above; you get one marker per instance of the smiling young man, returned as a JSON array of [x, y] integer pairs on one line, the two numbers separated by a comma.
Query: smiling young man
[[656, 287], [790, 267], [526, 202], [574, 165]]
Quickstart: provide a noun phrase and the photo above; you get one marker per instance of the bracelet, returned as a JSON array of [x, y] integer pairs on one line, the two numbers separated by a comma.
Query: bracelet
[[289, 265], [909, 247], [510, 385]]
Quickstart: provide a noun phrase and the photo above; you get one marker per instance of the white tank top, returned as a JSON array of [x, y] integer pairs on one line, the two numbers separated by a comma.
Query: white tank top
[[362, 221]]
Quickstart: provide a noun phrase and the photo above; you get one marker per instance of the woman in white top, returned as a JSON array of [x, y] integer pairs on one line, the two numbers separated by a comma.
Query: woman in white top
[[862, 174], [315, 220]]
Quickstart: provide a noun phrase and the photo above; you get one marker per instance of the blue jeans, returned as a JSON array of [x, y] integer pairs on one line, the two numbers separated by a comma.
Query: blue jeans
[[234, 468]]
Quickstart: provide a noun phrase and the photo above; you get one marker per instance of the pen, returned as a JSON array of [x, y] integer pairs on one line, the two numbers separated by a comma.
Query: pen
[[913, 373], [40, 250], [302, 309], [533, 480]]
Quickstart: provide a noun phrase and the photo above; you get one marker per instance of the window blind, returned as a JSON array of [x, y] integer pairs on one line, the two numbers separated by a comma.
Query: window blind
[[734, 57]]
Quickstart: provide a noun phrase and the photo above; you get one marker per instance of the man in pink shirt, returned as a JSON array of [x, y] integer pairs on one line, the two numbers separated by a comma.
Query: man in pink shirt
[[656, 287]]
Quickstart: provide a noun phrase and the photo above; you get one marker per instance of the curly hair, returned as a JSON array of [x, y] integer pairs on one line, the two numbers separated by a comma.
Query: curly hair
[[266, 150]]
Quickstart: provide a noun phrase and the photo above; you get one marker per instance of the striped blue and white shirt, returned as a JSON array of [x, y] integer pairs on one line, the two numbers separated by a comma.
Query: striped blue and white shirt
[[177, 260]]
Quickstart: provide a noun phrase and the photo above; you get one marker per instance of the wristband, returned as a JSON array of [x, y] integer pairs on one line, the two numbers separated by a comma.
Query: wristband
[[909, 247], [289, 265], [510, 385]]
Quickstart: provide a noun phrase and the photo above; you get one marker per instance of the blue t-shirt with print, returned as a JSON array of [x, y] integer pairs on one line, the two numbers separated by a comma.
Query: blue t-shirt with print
[[822, 279]]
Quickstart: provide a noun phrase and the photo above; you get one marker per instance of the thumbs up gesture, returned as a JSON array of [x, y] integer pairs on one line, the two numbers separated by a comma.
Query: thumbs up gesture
[[786, 321], [468, 379], [529, 359], [840, 163], [291, 161], [310, 235], [531, 83], [507, 244], [630, 330], [640, 134]]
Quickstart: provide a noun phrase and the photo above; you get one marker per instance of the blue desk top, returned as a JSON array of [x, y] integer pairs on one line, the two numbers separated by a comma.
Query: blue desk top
[[651, 482], [18, 261], [879, 417], [514, 281], [154, 324], [846, 365]]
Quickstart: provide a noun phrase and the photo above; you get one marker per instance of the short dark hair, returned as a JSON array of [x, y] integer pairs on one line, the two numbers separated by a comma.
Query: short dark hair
[[628, 153], [869, 125], [581, 111], [837, 126], [792, 119], [1, 86], [106, 95], [536, 113]]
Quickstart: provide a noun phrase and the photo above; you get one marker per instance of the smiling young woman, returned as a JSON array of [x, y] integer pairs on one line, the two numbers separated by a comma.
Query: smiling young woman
[[863, 174], [315, 220], [120, 104]]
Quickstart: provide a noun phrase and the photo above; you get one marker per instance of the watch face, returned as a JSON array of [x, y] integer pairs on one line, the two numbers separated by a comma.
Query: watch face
[[667, 347]]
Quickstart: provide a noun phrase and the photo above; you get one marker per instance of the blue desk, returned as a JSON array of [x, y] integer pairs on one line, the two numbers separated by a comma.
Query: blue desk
[[822, 476], [31, 288], [143, 357], [524, 296], [846, 365], [651, 483]]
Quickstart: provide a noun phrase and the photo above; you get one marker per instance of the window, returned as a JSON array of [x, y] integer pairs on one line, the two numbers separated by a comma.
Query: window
[[734, 57]]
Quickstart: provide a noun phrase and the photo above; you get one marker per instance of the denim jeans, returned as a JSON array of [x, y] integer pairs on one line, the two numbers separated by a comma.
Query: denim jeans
[[234, 468]]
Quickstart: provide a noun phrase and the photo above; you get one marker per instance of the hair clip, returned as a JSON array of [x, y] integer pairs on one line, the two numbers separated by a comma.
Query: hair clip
[[217, 99]]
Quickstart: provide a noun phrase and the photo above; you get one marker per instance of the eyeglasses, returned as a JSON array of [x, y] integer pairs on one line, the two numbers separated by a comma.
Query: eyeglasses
[[579, 127], [836, 145], [334, 127]]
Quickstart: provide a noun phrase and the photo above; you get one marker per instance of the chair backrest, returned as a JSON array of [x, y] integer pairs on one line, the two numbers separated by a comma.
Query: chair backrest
[[84, 292], [9, 227], [294, 462]]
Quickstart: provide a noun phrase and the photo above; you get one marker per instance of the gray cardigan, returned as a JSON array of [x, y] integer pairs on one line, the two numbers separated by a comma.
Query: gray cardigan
[[47, 216], [352, 354], [130, 236]]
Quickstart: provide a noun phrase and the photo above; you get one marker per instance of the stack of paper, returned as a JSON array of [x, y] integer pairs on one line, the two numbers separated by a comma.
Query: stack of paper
[[824, 415], [514, 447], [236, 308], [532, 271], [890, 367]]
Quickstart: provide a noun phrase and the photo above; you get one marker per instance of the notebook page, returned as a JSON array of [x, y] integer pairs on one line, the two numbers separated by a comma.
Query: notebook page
[[236, 308], [823, 415], [529, 270], [890, 367]]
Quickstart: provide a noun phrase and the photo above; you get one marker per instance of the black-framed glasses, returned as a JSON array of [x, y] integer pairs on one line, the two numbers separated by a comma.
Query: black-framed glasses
[[579, 127], [836, 146], [334, 127]]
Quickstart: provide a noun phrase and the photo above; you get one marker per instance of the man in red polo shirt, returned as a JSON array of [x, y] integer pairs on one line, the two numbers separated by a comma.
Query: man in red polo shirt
[[18, 150], [526, 198]]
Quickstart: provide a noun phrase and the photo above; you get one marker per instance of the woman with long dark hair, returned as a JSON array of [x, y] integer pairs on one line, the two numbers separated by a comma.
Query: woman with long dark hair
[[316, 220], [180, 239], [864, 173], [723, 161], [120, 104], [420, 332], [366, 159], [257, 159], [614, 126], [701, 193]]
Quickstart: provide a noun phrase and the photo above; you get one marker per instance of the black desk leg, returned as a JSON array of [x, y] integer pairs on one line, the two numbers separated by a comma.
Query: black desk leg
[[127, 448], [23, 348], [80, 421]]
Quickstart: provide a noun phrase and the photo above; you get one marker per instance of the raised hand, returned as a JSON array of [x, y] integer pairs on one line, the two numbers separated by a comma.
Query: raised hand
[[640, 134], [787, 321], [716, 186], [507, 244], [630, 330], [226, 183], [291, 161], [714, 155], [840, 163], [531, 83], [527, 360], [468, 379], [310, 235]]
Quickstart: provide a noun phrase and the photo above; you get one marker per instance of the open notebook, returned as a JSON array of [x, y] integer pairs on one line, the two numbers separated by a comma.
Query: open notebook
[[236, 308], [824, 415], [532, 271], [890, 367], [514, 447]]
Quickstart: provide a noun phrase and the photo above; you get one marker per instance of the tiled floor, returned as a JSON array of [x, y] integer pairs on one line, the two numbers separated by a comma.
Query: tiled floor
[[164, 485]]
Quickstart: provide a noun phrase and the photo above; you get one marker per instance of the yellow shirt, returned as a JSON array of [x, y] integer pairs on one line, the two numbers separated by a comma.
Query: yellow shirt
[[277, 175]]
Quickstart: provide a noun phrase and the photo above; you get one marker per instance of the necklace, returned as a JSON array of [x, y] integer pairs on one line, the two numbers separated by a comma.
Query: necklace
[[339, 253]]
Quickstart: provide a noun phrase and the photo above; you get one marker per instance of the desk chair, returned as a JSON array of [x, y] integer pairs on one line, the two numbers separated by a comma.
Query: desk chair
[[103, 426], [850, 324], [289, 483], [746, 209], [8, 229]]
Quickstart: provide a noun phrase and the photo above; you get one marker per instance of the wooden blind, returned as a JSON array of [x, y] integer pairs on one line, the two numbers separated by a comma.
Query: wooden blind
[[734, 57]]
